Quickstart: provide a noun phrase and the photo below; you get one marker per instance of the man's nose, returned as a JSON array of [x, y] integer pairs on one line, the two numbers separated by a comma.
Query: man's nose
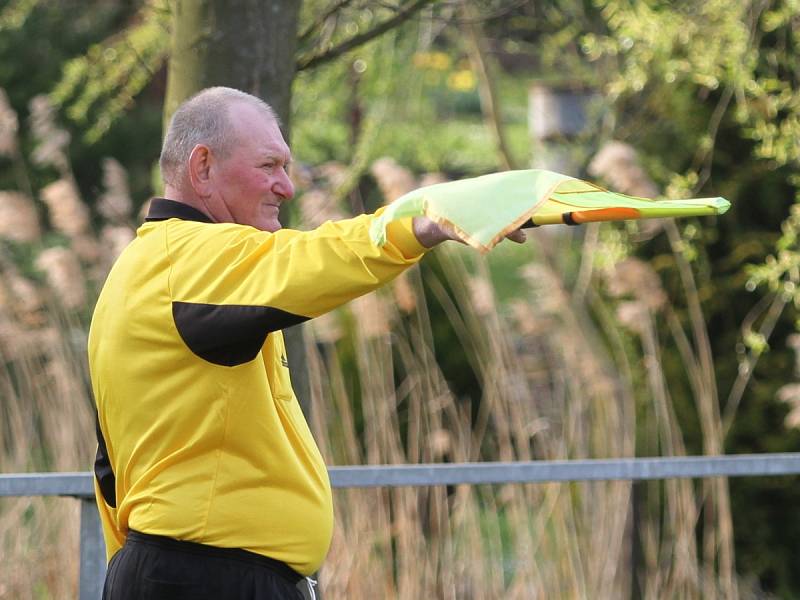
[[283, 186]]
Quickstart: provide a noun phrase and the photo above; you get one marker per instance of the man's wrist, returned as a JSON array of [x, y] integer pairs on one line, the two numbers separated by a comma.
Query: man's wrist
[[401, 234]]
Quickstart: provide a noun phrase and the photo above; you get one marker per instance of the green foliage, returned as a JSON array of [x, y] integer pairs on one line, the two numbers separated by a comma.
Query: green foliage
[[52, 34], [781, 271], [99, 86], [15, 13], [414, 95]]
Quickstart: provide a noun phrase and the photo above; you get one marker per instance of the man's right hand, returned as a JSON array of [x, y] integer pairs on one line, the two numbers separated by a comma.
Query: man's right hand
[[430, 233]]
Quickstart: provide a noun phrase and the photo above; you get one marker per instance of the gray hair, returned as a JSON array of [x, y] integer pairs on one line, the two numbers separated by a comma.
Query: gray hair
[[203, 119]]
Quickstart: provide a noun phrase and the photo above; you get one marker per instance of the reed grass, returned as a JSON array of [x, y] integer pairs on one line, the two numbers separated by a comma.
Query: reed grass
[[46, 410], [563, 370]]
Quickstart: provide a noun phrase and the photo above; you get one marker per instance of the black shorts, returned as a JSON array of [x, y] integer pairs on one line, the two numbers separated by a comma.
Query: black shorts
[[150, 567]]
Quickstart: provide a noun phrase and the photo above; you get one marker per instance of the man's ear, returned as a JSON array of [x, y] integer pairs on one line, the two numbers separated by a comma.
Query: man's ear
[[200, 161]]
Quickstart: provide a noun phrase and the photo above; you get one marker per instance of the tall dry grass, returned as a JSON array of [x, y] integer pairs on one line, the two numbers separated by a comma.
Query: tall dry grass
[[555, 540], [562, 371], [46, 413]]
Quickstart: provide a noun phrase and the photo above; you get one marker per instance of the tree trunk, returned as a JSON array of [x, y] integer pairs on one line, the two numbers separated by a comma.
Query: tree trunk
[[248, 45]]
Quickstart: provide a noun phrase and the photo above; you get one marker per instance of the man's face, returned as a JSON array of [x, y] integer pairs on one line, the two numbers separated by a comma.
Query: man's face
[[251, 183]]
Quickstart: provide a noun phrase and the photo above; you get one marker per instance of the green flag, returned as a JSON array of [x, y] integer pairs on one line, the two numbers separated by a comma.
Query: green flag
[[483, 210]]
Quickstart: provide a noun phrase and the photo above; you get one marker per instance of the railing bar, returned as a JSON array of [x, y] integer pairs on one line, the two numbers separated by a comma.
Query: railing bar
[[47, 484], [81, 485], [573, 470]]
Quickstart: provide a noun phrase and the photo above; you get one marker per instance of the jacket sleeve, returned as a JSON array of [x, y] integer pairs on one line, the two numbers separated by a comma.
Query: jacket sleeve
[[230, 284], [306, 273]]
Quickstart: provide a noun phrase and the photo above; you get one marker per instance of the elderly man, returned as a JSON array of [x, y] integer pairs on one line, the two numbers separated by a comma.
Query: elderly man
[[208, 480]]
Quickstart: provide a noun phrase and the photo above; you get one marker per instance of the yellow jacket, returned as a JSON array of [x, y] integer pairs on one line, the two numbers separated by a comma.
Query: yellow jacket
[[201, 437]]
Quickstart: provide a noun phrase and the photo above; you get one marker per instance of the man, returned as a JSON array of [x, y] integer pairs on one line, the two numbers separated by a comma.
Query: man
[[208, 481]]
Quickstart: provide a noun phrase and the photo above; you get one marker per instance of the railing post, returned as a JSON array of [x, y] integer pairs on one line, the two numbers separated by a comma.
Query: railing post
[[93, 552]]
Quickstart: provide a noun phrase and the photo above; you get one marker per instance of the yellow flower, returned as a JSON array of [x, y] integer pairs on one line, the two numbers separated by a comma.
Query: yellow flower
[[437, 61], [462, 81]]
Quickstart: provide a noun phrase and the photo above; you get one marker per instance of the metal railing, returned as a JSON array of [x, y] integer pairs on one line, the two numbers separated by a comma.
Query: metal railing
[[92, 549]]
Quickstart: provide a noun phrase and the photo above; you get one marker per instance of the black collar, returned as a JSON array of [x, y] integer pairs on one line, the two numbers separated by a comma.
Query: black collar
[[162, 209]]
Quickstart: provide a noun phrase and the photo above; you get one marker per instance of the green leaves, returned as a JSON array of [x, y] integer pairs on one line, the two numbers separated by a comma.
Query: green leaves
[[780, 272], [98, 87]]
